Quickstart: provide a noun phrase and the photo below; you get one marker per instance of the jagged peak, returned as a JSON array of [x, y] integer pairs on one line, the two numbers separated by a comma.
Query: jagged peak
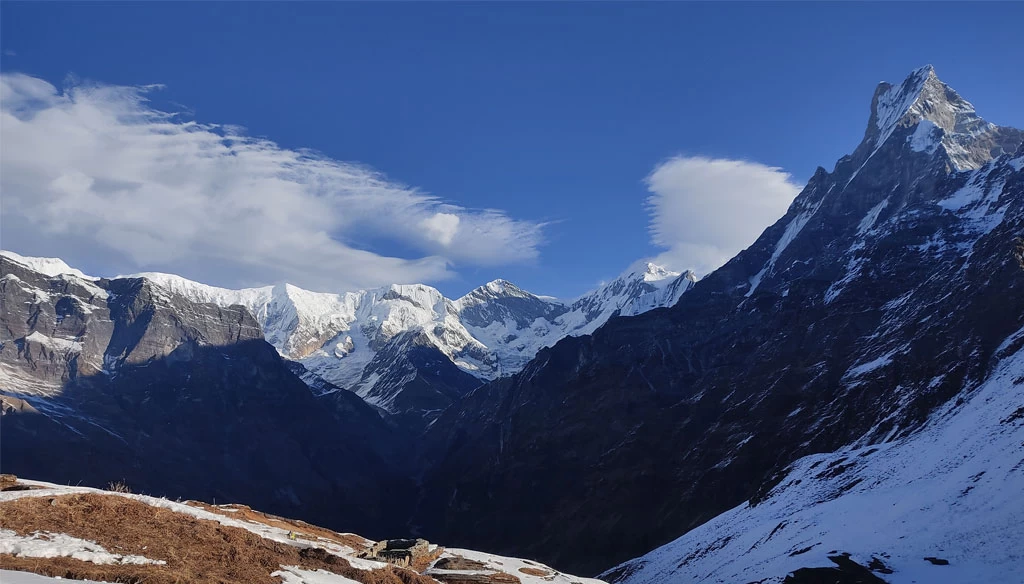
[[940, 118], [921, 96]]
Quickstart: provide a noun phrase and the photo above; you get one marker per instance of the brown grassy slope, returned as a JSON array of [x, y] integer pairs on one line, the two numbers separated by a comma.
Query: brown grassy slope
[[301, 528], [196, 550]]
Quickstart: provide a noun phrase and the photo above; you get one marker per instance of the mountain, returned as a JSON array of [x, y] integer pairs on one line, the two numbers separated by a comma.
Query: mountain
[[52, 532], [889, 290], [407, 349], [122, 380]]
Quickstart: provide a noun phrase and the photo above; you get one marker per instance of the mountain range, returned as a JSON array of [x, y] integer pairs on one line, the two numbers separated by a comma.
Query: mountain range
[[839, 402], [407, 349]]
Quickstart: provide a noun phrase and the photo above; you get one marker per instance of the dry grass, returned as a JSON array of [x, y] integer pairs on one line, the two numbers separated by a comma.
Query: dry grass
[[118, 487], [196, 550], [301, 528], [423, 562]]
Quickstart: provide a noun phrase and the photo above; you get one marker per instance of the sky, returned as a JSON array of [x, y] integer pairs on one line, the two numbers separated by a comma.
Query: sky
[[345, 145]]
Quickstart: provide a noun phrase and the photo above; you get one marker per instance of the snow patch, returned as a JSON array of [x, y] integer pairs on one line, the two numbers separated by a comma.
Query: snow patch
[[869, 366], [926, 137], [59, 545], [869, 220], [55, 344], [297, 575]]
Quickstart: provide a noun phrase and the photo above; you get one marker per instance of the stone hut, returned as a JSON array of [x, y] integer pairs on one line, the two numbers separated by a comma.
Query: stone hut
[[400, 552]]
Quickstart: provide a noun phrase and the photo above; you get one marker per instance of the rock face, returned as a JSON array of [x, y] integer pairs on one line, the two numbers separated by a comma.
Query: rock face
[[110, 380], [886, 290]]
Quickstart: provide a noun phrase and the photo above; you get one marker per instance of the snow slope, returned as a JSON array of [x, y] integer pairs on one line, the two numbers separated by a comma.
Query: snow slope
[[950, 491]]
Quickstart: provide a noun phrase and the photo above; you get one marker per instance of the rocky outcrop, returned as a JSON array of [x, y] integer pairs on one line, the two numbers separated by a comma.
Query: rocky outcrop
[[59, 327]]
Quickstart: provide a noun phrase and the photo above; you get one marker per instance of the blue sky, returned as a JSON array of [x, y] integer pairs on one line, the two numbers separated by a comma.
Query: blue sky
[[552, 113]]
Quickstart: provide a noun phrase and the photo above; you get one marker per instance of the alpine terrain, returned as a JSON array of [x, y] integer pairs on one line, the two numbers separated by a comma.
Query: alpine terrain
[[843, 401]]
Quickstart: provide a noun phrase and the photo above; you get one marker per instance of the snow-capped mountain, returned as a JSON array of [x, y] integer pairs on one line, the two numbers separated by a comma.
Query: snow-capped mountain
[[885, 295], [490, 332], [364, 341]]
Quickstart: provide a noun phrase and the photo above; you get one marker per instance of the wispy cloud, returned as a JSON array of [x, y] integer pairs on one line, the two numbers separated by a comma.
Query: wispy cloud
[[706, 210], [96, 174]]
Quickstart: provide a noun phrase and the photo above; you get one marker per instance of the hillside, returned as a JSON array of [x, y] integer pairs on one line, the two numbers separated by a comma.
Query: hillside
[[81, 533]]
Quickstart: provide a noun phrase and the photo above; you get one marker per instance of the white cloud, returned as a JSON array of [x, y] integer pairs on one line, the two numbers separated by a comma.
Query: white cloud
[[441, 227], [706, 210], [97, 175]]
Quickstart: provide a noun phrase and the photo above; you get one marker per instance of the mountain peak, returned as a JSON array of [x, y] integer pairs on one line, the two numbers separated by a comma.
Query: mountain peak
[[921, 96], [492, 290], [938, 117], [648, 271], [499, 287]]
